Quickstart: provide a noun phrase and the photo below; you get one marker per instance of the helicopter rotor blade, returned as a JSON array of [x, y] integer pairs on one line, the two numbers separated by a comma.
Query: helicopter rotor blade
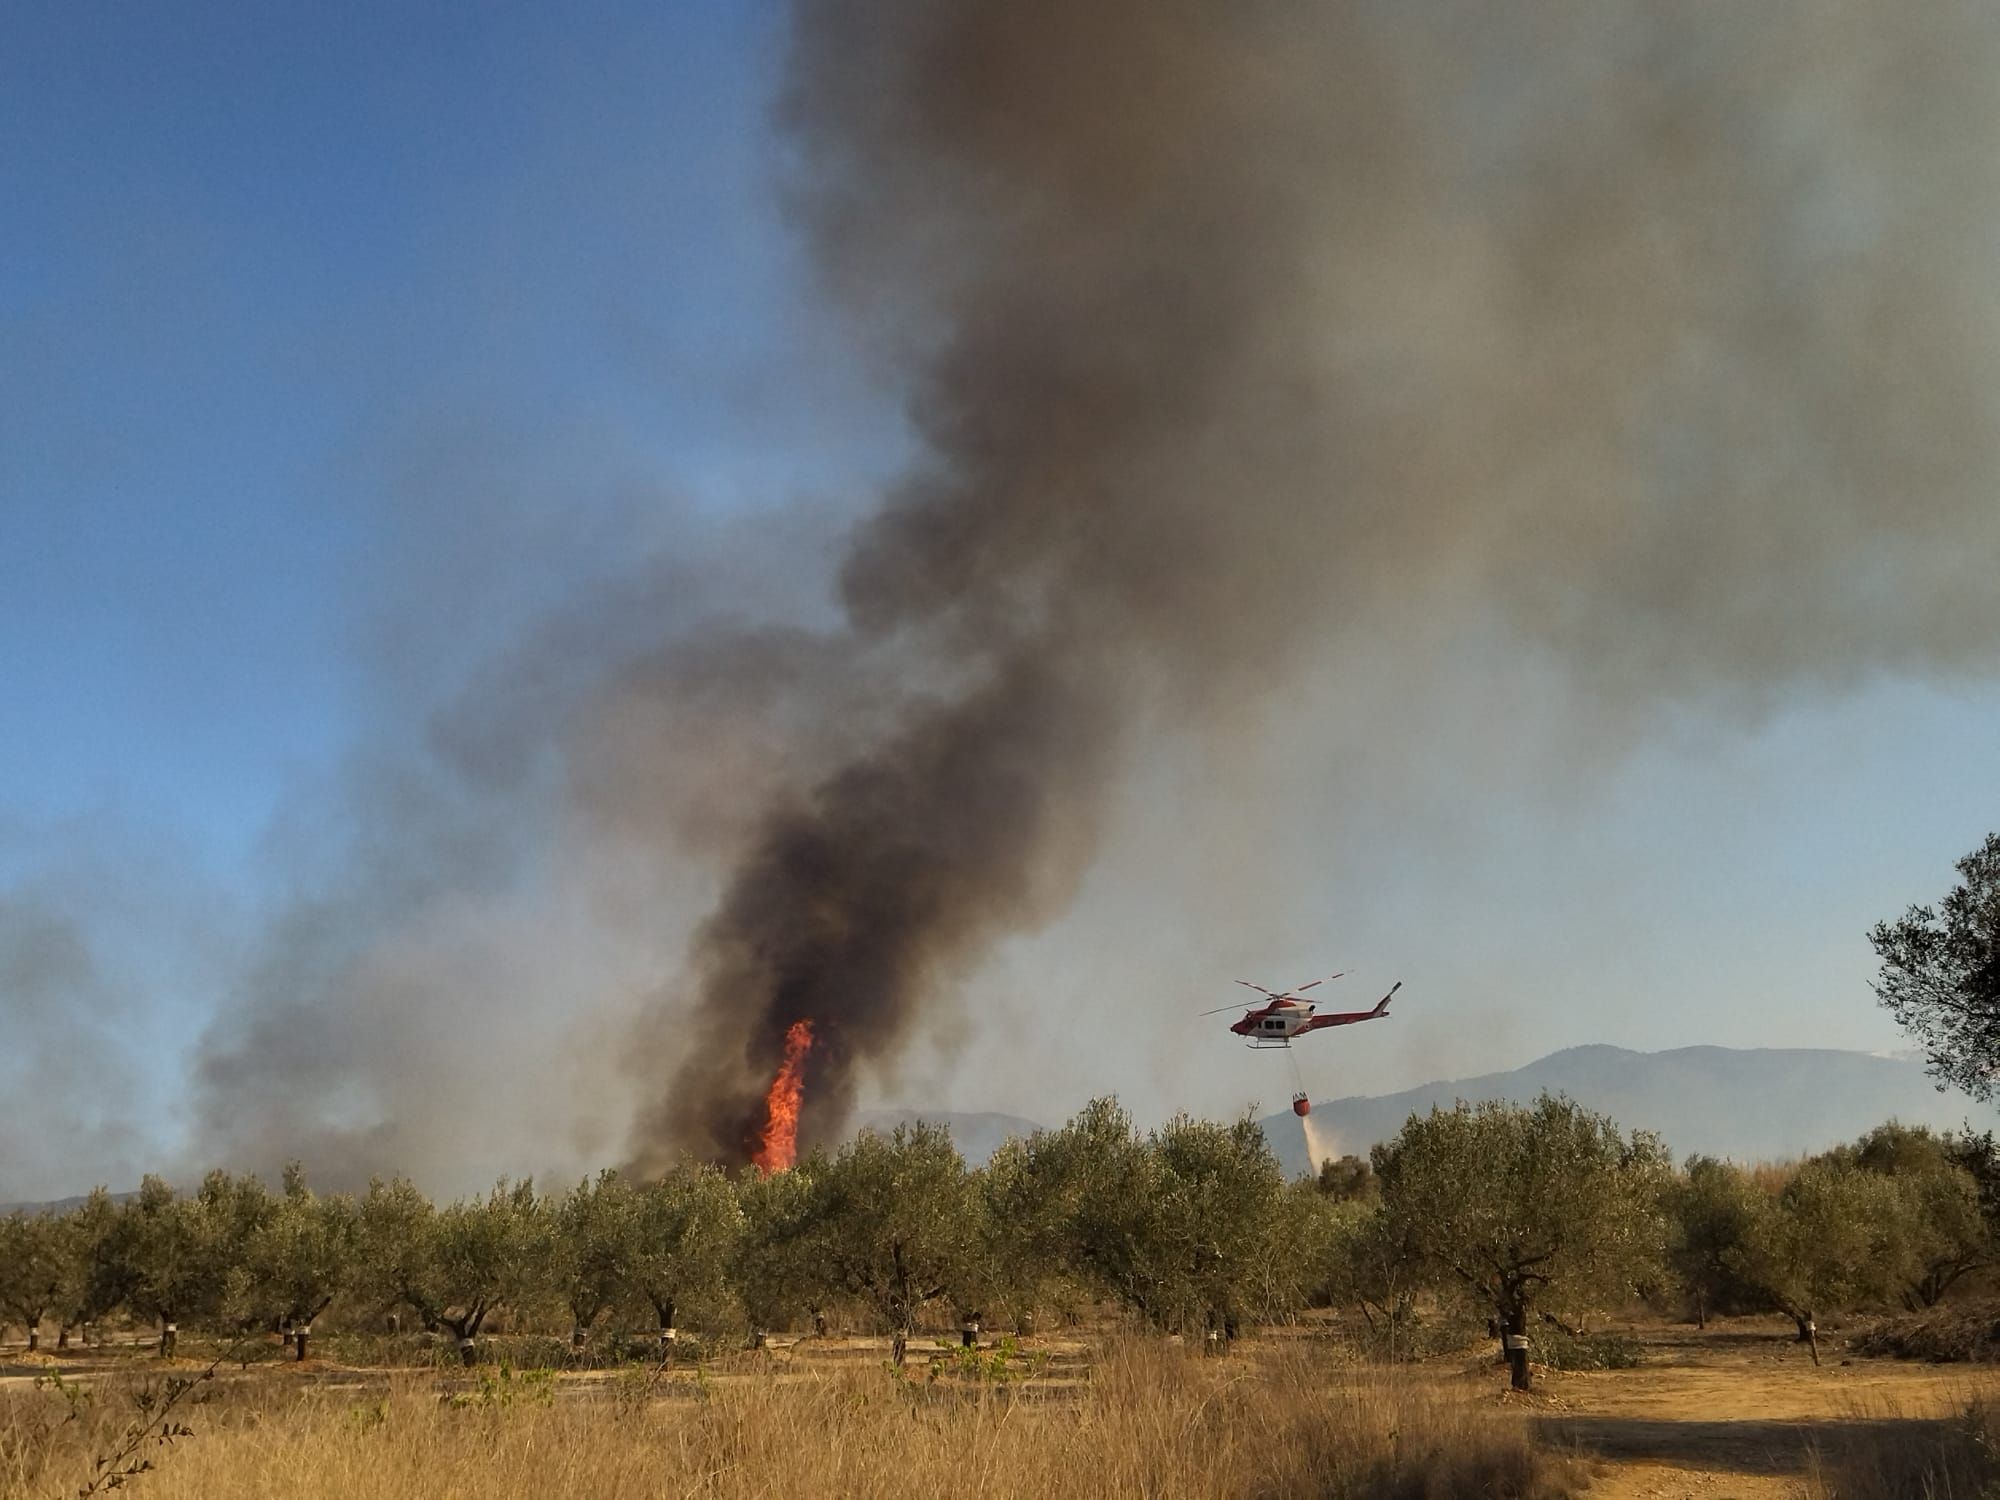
[[1258, 988]]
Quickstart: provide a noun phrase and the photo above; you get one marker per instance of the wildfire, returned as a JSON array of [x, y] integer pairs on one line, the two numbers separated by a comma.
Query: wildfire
[[779, 1146]]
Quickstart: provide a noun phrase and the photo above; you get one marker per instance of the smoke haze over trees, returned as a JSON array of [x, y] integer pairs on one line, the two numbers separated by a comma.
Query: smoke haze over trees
[[1241, 351], [1164, 288]]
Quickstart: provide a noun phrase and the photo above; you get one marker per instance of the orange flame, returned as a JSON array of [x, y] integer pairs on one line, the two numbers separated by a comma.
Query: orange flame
[[779, 1147]]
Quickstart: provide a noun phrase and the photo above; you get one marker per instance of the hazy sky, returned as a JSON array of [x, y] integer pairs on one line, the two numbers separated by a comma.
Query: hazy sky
[[356, 358]]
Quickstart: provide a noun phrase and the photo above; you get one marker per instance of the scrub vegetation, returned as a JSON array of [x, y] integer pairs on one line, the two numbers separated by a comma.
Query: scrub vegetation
[[1097, 1310]]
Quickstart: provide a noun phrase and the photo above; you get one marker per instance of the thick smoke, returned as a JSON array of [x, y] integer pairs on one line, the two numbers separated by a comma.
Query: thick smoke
[[1659, 336], [1245, 345]]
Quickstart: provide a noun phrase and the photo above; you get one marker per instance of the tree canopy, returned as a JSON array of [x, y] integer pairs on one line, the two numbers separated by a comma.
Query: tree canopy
[[1521, 1207], [1940, 975], [899, 1224], [1546, 1213]]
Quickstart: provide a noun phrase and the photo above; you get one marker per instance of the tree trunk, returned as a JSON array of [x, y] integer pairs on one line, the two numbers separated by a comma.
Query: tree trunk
[[468, 1347], [1805, 1327], [299, 1337], [1700, 1309], [968, 1331], [899, 1346], [34, 1335], [663, 1308], [62, 1338], [1514, 1331], [168, 1333]]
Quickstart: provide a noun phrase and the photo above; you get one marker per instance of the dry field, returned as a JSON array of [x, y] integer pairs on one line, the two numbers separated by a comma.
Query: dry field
[[1733, 1412], [1741, 1411]]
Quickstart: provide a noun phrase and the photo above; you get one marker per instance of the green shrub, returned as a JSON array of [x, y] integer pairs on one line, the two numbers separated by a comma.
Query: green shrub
[[1558, 1349]]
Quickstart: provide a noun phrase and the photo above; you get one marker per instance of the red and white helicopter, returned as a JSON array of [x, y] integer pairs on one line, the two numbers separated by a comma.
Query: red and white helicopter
[[1284, 1015]]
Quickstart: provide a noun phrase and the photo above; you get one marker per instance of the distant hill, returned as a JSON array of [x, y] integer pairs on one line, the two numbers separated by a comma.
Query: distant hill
[[1751, 1104], [59, 1205], [977, 1136]]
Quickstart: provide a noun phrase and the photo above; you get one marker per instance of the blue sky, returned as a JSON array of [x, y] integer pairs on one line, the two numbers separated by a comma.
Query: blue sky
[[341, 345], [258, 259], [337, 345]]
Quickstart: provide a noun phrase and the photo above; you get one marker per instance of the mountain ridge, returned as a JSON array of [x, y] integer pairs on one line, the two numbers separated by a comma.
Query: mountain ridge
[[1747, 1103]]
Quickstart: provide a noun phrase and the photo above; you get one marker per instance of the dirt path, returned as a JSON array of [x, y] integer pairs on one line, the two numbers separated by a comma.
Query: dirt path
[[1735, 1411]]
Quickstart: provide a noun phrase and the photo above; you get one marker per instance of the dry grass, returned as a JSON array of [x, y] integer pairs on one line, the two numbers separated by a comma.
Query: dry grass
[[1902, 1459], [1150, 1421]]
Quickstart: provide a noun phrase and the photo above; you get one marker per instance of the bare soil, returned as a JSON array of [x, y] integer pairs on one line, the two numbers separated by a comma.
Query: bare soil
[[1737, 1410]]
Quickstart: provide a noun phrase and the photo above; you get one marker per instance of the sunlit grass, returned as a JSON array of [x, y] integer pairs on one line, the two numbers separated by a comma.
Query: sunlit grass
[[1885, 1456], [1150, 1420]]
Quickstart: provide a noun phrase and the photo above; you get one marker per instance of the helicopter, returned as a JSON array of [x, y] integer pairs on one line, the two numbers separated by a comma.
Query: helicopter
[[1285, 1015]]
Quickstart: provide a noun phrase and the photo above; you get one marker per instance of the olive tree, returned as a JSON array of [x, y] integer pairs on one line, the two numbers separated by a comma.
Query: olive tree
[[687, 1230], [93, 1276], [1944, 1236], [1289, 1272], [1191, 1227], [454, 1266], [178, 1255], [300, 1257], [1826, 1240], [897, 1224], [489, 1253], [1941, 1230], [1896, 1150], [1217, 1219], [776, 1272], [1348, 1179], [1370, 1265], [1978, 1154], [1518, 1207], [1024, 1266], [1940, 975], [595, 1246], [1079, 1203], [398, 1249], [1712, 1207], [34, 1256]]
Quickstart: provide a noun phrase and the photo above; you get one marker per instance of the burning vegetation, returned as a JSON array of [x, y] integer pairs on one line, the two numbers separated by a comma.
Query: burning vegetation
[[778, 1144]]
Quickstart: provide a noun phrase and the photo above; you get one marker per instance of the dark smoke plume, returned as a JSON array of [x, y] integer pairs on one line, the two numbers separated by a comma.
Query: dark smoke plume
[[1649, 346], [1656, 335]]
